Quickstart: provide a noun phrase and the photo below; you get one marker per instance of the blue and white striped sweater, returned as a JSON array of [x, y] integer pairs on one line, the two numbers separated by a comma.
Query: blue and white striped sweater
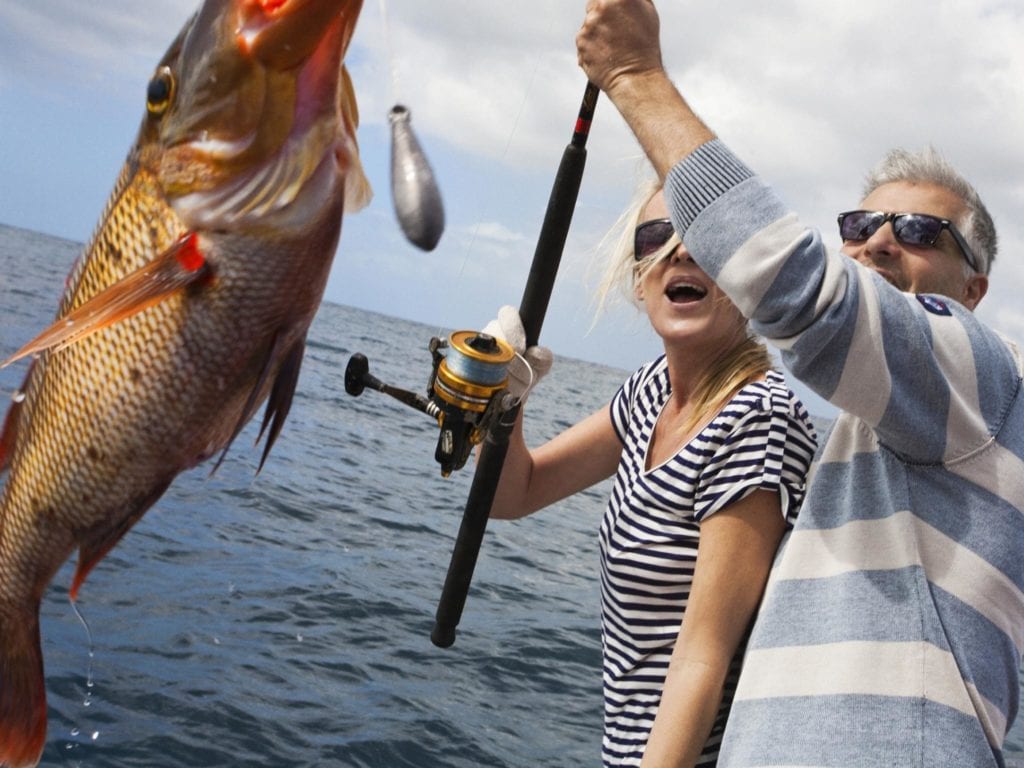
[[893, 624], [650, 531]]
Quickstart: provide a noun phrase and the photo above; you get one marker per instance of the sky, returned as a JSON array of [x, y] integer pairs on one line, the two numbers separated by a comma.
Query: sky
[[810, 94]]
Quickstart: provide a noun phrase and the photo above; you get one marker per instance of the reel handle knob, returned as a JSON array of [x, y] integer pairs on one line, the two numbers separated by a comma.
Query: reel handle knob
[[358, 376]]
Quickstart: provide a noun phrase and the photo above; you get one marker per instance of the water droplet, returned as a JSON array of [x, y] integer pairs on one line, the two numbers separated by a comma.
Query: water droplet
[[299, 637], [95, 735], [87, 703], [18, 396], [216, 641], [69, 322], [75, 731]]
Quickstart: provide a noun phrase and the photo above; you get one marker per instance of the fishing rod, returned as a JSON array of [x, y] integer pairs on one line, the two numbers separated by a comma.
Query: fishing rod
[[467, 391], [532, 308]]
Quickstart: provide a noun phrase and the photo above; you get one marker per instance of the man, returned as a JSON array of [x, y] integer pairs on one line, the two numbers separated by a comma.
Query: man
[[892, 625]]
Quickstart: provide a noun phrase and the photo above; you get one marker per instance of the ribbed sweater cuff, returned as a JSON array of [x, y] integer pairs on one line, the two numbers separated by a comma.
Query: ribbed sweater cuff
[[701, 178]]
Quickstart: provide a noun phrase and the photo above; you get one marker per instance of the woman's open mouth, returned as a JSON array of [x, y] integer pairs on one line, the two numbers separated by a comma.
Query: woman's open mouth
[[685, 292]]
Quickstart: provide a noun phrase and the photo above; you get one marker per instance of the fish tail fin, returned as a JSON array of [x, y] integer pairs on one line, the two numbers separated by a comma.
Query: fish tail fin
[[22, 690]]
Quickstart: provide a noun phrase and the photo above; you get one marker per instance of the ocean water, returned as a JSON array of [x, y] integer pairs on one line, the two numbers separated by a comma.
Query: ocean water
[[283, 619]]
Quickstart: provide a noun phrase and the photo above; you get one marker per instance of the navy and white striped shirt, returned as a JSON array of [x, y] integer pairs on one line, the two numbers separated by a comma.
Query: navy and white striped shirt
[[762, 438]]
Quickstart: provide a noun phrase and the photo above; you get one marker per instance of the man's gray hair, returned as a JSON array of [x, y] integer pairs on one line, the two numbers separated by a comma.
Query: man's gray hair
[[928, 166]]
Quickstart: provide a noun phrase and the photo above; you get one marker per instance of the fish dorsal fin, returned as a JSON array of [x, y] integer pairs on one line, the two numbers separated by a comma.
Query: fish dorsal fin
[[358, 192], [280, 400], [179, 266]]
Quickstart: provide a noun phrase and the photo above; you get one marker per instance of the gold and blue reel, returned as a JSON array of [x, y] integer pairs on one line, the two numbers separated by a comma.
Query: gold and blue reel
[[473, 371], [463, 394]]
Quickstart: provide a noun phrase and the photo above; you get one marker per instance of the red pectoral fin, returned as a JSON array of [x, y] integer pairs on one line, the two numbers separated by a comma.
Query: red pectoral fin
[[181, 265]]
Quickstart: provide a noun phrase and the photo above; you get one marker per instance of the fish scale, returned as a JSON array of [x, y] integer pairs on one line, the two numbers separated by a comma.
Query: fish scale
[[188, 309]]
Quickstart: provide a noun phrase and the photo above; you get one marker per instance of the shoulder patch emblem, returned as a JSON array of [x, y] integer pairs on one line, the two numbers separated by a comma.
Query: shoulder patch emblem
[[934, 304]]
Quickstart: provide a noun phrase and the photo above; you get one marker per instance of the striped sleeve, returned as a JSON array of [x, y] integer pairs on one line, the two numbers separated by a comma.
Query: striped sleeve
[[932, 381], [770, 447]]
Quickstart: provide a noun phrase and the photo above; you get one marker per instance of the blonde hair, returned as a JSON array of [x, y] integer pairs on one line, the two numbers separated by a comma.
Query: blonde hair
[[746, 362], [622, 273]]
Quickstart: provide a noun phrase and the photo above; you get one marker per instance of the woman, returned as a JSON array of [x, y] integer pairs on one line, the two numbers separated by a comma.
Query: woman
[[707, 445]]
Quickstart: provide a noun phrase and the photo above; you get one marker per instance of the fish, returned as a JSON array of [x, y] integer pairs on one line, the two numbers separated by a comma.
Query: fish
[[186, 312]]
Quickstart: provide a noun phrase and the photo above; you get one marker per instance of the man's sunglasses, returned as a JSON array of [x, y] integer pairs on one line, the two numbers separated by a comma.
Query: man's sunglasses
[[909, 228], [651, 236]]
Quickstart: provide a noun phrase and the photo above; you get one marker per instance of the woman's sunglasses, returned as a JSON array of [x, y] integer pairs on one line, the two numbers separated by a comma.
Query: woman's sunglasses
[[909, 228], [651, 236]]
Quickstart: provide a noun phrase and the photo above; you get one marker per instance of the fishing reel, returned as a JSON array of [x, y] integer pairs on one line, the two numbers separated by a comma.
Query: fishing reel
[[467, 391]]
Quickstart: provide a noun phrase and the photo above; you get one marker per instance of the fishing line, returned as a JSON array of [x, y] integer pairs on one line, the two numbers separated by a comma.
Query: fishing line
[[388, 52], [530, 383], [471, 245], [467, 367], [478, 370], [469, 248]]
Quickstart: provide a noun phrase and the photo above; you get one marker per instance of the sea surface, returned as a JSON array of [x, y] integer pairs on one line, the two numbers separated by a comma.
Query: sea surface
[[283, 619]]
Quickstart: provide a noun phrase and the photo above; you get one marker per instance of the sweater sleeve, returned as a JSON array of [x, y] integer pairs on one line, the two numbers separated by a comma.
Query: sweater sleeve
[[933, 382]]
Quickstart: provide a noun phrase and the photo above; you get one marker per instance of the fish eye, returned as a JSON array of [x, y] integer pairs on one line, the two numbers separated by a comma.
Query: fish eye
[[160, 91]]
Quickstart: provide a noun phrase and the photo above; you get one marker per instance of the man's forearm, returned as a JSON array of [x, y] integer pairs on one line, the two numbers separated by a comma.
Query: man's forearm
[[618, 47], [667, 129]]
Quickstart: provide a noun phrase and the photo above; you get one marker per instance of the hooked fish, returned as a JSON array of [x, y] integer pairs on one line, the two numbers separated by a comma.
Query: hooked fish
[[188, 309]]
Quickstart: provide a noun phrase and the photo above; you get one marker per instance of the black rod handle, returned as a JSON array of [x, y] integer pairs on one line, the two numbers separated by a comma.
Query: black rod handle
[[532, 308]]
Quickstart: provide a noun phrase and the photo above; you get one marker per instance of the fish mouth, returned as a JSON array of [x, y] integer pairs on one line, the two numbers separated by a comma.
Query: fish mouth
[[283, 34], [295, 139], [685, 290]]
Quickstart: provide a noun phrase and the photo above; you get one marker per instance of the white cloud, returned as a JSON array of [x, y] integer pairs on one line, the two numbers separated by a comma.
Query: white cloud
[[809, 93], [81, 41], [497, 232]]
